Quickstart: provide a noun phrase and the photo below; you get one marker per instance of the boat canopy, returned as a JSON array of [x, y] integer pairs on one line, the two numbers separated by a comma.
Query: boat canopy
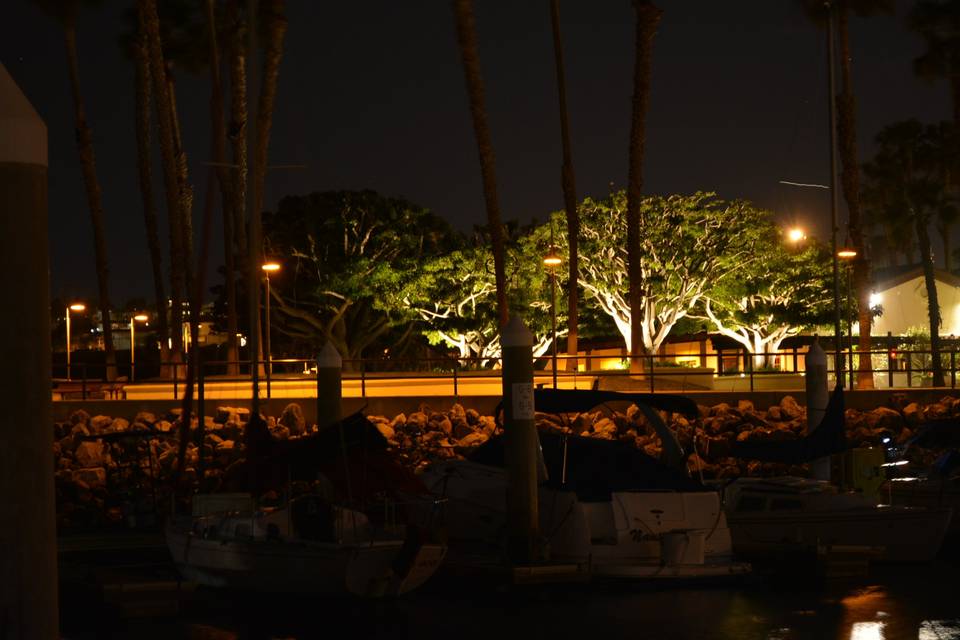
[[594, 468]]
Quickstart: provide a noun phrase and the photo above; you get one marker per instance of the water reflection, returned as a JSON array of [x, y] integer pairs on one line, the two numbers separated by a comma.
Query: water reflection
[[867, 631], [905, 603]]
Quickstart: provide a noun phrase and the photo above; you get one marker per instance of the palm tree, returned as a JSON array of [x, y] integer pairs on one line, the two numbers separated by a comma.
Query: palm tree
[[938, 23], [66, 13], [467, 39], [648, 18], [846, 107], [173, 166], [906, 178], [569, 185], [140, 52]]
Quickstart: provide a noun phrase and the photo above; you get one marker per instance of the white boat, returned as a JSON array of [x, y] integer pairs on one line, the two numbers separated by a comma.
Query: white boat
[[655, 535], [770, 517], [927, 492], [309, 546]]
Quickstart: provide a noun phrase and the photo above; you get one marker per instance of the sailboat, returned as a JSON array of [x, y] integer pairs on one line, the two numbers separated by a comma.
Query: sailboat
[[315, 543], [776, 517], [603, 505]]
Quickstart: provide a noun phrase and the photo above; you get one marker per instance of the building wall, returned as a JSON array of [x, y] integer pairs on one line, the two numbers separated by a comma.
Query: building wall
[[905, 306]]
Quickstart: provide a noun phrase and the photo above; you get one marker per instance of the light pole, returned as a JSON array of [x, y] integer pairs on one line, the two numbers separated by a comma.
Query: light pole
[[133, 344], [832, 108], [847, 254], [553, 260], [76, 306], [268, 268]]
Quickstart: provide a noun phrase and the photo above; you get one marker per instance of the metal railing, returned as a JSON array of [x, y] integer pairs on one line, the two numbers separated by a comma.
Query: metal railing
[[732, 370]]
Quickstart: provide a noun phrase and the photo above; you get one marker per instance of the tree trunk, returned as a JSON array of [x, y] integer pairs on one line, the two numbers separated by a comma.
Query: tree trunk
[[276, 29], [185, 193], [161, 89], [933, 306], [88, 166], [648, 17], [955, 98], [143, 97], [238, 122], [944, 230], [850, 181], [219, 151], [568, 183], [467, 39]]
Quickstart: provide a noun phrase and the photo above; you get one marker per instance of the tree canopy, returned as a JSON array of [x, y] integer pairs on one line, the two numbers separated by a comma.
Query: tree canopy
[[688, 242]]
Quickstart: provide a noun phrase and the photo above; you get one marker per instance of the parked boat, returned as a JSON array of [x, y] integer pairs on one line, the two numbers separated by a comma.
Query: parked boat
[[347, 539], [774, 517], [934, 487], [602, 504], [309, 546]]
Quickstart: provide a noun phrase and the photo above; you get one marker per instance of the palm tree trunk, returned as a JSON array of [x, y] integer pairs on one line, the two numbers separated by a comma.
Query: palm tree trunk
[[161, 89], [276, 29], [850, 181], [648, 17], [88, 166], [568, 182], [218, 148], [238, 142], [185, 191], [933, 305], [955, 98], [143, 96], [470, 57]]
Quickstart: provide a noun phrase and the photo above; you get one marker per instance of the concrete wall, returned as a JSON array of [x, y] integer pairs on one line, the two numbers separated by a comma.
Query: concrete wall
[[484, 404]]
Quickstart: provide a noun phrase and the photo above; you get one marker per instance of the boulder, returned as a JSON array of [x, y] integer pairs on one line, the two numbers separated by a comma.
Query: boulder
[[774, 413], [90, 454], [911, 413], [744, 406], [386, 431], [91, 477], [99, 424], [292, 418], [117, 425], [789, 408], [79, 417]]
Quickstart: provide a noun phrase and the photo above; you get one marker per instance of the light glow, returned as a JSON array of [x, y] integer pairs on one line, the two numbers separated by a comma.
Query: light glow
[[270, 267], [846, 253], [796, 234], [78, 306], [140, 317], [867, 631], [875, 300]]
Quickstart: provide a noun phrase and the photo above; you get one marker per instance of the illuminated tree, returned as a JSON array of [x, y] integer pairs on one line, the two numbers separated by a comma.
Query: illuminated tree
[[454, 294], [349, 254], [777, 293], [687, 244]]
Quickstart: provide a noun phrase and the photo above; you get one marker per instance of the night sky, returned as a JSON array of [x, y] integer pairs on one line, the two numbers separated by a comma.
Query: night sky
[[372, 95]]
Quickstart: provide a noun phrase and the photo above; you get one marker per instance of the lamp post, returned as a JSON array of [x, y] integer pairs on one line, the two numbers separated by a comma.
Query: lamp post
[[76, 306], [133, 344], [553, 260], [268, 268], [847, 254]]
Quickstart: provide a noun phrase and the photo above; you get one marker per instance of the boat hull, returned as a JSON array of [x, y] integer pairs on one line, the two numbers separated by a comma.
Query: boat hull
[[301, 567], [900, 534]]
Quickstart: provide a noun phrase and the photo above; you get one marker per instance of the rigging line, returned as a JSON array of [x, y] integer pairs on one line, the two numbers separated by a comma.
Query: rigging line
[[805, 184]]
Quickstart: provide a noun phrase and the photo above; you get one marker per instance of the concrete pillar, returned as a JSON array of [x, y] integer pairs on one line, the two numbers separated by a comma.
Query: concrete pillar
[[28, 541], [329, 386], [817, 397], [521, 442]]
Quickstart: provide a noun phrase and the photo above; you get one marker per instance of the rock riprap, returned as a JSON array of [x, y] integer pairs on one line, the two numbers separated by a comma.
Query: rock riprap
[[103, 476]]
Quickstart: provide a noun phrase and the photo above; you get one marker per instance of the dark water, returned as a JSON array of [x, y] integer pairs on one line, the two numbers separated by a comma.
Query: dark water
[[893, 603]]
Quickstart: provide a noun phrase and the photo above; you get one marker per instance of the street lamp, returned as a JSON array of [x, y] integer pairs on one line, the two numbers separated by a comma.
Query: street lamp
[[553, 260], [847, 254], [268, 268], [133, 345], [796, 235], [76, 306]]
